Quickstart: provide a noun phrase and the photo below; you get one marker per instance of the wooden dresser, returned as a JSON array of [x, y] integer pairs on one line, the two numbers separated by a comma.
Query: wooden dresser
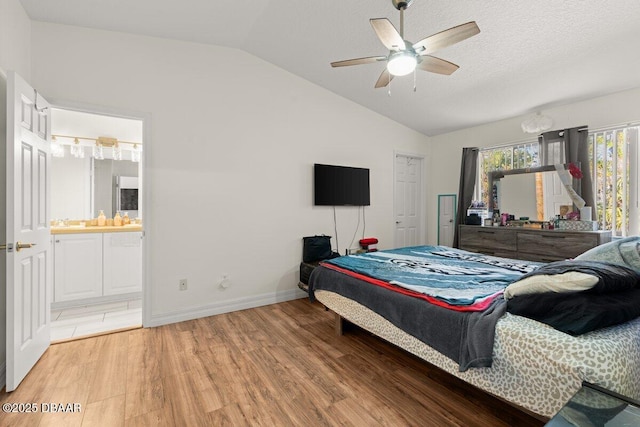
[[529, 243]]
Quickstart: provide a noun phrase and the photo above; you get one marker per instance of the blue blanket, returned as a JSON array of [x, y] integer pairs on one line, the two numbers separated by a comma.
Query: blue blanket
[[451, 275]]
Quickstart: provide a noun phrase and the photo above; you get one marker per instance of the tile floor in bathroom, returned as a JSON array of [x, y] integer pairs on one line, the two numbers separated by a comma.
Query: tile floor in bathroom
[[77, 322]]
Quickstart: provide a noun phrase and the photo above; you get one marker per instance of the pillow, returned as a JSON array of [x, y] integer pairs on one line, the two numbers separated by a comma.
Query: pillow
[[620, 251], [571, 281], [554, 279], [579, 312]]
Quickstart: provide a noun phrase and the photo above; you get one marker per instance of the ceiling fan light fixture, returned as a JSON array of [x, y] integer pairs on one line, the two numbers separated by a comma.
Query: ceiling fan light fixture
[[402, 63]]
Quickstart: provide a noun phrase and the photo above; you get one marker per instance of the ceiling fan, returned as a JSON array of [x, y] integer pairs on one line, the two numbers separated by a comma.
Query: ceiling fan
[[404, 57]]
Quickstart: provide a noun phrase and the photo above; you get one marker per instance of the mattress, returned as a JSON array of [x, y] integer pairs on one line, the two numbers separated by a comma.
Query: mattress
[[534, 366]]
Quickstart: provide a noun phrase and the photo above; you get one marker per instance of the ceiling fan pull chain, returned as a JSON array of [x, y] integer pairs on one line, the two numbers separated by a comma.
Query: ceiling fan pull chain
[[389, 86], [414, 80]]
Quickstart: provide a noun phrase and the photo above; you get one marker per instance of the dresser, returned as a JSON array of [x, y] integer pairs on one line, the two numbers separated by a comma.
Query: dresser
[[528, 243]]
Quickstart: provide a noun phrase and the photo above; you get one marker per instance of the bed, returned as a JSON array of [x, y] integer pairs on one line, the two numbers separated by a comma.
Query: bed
[[472, 334]]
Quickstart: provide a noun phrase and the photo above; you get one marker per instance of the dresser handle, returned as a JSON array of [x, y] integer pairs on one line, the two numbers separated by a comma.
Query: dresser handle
[[486, 232], [549, 236]]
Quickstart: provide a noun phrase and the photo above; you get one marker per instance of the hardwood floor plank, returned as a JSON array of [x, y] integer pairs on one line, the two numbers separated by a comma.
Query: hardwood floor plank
[[273, 365], [144, 392], [105, 413], [183, 400], [158, 418], [111, 376]]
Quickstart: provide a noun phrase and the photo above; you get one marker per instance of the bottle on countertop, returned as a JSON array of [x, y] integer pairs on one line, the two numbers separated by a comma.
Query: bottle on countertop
[[125, 219], [102, 220], [117, 219]]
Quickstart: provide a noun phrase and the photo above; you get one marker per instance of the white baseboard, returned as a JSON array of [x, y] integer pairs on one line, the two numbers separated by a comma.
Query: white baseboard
[[3, 374], [224, 307]]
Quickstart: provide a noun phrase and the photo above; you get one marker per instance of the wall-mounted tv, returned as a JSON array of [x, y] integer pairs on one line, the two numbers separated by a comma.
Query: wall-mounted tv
[[340, 186]]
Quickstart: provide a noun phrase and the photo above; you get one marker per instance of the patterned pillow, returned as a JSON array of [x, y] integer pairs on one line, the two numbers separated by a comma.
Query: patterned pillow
[[621, 251]]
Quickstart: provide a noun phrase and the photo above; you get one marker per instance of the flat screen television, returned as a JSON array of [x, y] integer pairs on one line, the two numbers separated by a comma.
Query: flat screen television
[[340, 186]]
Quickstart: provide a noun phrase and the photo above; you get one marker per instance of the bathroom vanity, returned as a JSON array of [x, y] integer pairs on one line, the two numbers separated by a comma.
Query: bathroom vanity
[[93, 263]]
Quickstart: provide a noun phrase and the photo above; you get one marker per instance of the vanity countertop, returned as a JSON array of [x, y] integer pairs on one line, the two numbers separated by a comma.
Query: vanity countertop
[[76, 229]]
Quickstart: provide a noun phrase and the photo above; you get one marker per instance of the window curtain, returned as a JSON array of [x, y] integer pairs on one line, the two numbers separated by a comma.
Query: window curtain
[[570, 146], [468, 169]]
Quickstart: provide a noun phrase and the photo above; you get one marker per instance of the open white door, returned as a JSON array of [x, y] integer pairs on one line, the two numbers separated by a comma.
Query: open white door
[[29, 269]]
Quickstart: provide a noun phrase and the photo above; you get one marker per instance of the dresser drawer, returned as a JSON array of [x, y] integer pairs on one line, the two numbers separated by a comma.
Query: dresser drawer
[[555, 245], [491, 252], [488, 239]]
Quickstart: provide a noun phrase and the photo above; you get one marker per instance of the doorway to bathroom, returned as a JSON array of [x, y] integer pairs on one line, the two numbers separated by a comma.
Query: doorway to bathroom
[[97, 237]]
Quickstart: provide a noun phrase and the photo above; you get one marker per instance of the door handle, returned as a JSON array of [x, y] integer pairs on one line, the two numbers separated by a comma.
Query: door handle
[[398, 222], [20, 245]]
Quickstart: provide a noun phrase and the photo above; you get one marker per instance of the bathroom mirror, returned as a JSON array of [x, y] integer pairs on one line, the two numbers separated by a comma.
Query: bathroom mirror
[[80, 187]]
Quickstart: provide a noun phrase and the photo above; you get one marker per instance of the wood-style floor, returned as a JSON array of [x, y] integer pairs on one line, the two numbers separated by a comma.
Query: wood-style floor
[[279, 365]]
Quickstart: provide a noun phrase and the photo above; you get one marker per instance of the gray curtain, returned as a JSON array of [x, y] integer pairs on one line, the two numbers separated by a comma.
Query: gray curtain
[[468, 170], [570, 146]]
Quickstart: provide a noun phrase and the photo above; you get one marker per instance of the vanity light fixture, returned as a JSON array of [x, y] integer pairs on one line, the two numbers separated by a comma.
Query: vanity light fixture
[[77, 150], [98, 152], [77, 147], [57, 150], [135, 154]]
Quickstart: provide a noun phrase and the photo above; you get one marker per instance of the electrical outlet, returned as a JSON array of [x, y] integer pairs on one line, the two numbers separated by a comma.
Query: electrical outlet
[[182, 284]]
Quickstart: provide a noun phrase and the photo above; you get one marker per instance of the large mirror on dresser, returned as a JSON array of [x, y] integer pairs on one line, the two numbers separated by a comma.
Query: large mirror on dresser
[[534, 193]]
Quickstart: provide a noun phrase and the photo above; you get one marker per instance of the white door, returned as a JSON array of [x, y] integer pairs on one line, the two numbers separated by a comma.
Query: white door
[[554, 195], [29, 272], [446, 218], [408, 200]]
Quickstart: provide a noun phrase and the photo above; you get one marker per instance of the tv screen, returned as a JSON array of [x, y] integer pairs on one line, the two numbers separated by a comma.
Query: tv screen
[[340, 186]]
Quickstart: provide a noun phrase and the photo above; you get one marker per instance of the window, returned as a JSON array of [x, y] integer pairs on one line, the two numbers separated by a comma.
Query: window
[[613, 154], [516, 156]]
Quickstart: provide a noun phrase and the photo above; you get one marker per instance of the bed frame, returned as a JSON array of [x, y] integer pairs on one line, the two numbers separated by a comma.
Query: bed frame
[[525, 373]]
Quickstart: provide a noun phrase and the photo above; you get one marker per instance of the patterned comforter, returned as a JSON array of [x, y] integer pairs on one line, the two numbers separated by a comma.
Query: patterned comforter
[[444, 276]]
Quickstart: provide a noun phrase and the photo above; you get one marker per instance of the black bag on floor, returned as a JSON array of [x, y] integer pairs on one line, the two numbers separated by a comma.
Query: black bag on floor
[[316, 248], [306, 268]]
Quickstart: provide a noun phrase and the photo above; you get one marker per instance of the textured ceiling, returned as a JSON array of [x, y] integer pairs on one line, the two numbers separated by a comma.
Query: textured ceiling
[[529, 55]]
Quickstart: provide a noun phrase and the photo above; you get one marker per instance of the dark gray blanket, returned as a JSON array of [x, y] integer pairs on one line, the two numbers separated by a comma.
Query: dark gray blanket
[[465, 337]]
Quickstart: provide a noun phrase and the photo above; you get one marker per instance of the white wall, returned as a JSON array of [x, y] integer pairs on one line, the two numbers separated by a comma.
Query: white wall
[[15, 38], [229, 159], [15, 47], [619, 108]]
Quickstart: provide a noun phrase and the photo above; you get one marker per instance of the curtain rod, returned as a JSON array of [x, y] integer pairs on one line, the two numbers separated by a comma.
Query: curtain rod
[[527, 141], [615, 127]]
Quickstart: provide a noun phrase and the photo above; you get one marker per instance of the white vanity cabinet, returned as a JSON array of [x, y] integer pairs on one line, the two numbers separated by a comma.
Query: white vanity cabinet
[[95, 264], [122, 263], [77, 266]]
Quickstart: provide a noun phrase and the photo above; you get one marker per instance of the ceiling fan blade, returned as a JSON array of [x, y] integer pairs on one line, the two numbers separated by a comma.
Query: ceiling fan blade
[[387, 33], [436, 65], [384, 79], [358, 61], [446, 38]]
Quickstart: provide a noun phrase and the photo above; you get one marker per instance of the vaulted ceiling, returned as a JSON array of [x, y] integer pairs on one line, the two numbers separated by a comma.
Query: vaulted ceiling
[[529, 55]]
